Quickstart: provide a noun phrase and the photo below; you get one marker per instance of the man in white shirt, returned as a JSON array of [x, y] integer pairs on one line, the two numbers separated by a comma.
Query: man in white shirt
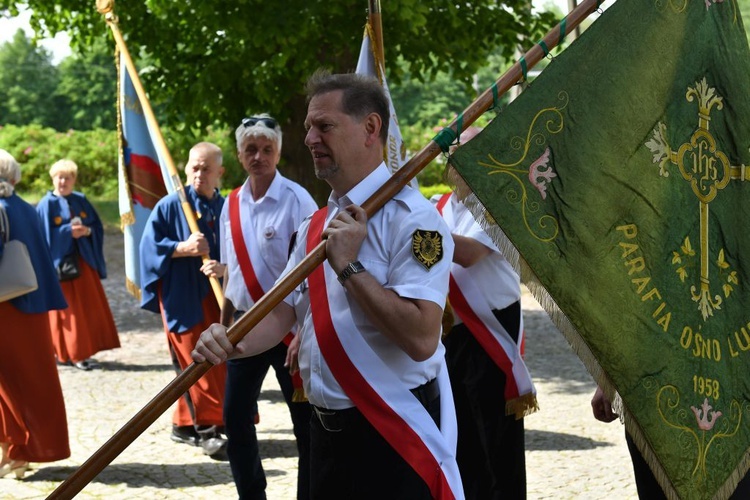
[[370, 316], [492, 388], [258, 222]]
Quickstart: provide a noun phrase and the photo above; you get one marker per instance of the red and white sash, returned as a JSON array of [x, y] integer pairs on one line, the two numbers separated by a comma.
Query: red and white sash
[[376, 390], [472, 307], [257, 275]]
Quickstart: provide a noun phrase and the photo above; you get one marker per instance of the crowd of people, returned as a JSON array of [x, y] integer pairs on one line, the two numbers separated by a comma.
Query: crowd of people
[[400, 357], [367, 323]]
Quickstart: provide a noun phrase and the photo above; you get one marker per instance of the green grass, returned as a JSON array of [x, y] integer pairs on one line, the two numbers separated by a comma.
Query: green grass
[[109, 212]]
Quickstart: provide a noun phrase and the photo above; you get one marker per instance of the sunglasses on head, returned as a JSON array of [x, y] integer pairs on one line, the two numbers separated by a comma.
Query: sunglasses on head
[[253, 120]]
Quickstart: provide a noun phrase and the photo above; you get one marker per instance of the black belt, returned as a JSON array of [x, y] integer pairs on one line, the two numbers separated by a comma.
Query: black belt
[[427, 392], [336, 420]]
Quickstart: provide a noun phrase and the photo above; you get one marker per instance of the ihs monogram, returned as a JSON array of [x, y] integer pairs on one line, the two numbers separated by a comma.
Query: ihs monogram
[[708, 171]]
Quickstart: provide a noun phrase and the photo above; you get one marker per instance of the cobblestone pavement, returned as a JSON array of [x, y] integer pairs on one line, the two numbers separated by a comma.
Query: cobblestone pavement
[[568, 453]]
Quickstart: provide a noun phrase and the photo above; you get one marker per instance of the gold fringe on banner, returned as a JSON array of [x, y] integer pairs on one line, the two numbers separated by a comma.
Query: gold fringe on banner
[[526, 404], [128, 218]]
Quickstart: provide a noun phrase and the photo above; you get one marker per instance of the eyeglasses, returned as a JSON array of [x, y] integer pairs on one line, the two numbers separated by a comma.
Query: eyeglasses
[[253, 120]]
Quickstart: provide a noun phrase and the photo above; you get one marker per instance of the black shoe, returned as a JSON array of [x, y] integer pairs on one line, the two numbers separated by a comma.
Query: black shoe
[[185, 434]]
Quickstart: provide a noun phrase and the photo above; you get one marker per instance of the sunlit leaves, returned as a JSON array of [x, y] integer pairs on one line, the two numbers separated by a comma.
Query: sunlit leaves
[[256, 54]]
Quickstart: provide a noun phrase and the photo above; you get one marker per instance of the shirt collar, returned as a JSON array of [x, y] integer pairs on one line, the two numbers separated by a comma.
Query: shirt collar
[[273, 192], [190, 190], [363, 190]]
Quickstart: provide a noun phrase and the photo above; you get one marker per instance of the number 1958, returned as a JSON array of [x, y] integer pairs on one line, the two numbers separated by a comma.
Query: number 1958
[[706, 386]]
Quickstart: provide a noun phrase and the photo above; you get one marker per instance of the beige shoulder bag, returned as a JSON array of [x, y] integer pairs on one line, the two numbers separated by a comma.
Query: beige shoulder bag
[[17, 275]]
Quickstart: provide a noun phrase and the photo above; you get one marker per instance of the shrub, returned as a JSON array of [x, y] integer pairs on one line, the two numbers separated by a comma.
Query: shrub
[[95, 151], [37, 148]]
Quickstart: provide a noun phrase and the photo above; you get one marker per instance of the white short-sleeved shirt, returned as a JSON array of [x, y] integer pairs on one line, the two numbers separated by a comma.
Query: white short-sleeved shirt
[[273, 219], [493, 274], [387, 255]]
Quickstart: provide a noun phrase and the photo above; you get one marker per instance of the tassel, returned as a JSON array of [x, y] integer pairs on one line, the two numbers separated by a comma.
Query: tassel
[[133, 289], [299, 395], [522, 406], [448, 318]]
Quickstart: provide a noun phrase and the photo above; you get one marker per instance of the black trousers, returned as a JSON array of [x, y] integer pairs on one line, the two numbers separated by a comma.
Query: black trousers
[[355, 461], [244, 380], [490, 454]]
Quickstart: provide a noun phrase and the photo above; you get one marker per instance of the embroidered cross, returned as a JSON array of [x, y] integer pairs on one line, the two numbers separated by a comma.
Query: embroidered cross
[[707, 170]]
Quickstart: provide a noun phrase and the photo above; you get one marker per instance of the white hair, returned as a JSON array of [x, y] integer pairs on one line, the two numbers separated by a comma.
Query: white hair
[[10, 173], [258, 129]]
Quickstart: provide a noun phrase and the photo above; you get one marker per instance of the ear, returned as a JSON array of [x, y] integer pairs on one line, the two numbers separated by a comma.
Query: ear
[[373, 125]]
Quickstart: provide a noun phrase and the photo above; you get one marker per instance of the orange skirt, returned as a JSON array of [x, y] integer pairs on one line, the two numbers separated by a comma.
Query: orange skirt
[[207, 394], [86, 326], [32, 410]]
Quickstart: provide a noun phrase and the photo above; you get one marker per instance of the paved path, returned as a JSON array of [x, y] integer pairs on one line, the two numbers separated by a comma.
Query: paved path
[[569, 454]]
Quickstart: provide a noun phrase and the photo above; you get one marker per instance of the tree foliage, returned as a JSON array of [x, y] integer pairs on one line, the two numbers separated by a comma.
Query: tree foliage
[[80, 93], [88, 88], [28, 80], [215, 62]]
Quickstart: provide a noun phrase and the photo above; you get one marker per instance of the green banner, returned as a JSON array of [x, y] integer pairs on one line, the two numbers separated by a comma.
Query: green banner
[[619, 178]]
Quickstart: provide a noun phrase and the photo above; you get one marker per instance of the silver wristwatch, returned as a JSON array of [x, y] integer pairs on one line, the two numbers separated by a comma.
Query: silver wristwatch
[[353, 268]]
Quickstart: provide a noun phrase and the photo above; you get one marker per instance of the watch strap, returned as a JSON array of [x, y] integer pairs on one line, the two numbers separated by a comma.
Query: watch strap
[[351, 269]]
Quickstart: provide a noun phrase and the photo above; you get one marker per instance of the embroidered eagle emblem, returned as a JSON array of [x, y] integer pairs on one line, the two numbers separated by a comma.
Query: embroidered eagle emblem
[[427, 247]]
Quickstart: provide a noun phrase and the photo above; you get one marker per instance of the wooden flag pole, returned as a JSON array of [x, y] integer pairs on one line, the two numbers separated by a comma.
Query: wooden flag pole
[[162, 401], [106, 8], [376, 23]]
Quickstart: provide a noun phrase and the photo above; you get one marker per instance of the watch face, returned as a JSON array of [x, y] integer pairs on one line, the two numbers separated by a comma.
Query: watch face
[[353, 268]]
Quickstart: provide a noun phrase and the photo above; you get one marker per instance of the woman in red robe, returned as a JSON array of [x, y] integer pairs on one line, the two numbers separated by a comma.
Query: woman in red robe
[[73, 227], [33, 424]]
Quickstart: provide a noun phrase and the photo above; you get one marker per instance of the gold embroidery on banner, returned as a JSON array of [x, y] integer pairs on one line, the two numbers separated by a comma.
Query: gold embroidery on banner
[[427, 247], [539, 173], [708, 171], [675, 5], [679, 6], [702, 424]]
